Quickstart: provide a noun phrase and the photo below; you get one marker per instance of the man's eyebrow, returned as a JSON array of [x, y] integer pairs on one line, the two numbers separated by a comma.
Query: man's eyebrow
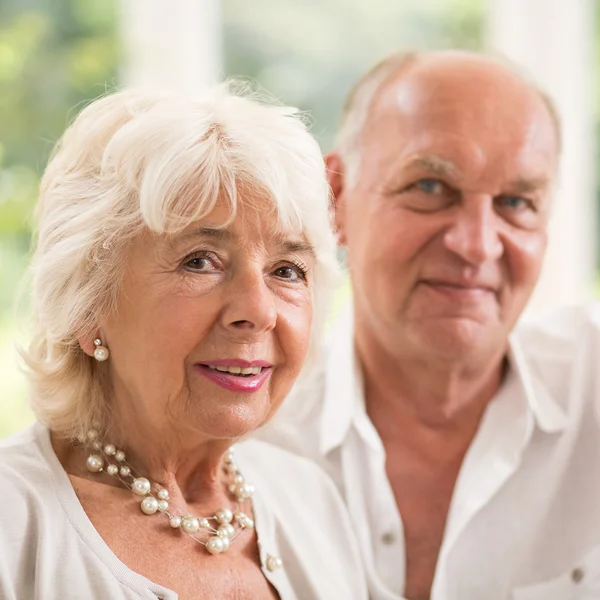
[[524, 185], [434, 164]]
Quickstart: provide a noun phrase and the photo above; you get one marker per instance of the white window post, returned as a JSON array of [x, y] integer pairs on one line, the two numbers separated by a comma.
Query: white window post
[[553, 41], [172, 44]]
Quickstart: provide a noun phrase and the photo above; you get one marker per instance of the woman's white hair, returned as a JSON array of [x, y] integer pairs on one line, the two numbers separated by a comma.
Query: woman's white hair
[[153, 160]]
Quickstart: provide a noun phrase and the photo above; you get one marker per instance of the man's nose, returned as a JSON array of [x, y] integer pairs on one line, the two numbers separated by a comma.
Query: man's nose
[[250, 307], [473, 235]]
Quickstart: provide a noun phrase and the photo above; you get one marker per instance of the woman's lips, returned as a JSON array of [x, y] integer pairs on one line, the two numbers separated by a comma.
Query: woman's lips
[[249, 382]]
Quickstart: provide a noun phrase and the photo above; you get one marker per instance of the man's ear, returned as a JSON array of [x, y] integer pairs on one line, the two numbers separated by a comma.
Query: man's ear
[[336, 177]]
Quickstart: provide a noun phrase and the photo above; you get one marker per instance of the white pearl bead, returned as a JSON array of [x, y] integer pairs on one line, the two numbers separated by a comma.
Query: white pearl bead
[[125, 471], [225, 541], [149, 505], [96, 445], [92, 434], [140, 486], [101, 353], [274, 563], [224, 516], [238, 479], [226, 530], [204, 523], [244, 521], [163, 494], [163, 505], [95, 463], [243, 490], [109, 450], [120, 455], [175, 522], [112, 470], [214, 545], [190, 525]]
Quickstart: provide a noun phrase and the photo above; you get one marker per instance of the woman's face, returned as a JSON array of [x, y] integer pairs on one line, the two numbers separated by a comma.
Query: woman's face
[[198, 307]]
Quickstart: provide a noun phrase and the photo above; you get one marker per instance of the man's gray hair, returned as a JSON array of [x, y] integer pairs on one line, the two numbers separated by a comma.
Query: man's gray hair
[[355, 113]]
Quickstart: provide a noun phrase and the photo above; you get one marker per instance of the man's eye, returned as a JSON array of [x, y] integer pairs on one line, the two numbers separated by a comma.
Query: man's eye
[[514, 202], [430, 186]]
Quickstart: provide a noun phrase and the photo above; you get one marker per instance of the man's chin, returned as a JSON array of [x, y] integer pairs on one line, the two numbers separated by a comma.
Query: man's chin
[[456, 339]]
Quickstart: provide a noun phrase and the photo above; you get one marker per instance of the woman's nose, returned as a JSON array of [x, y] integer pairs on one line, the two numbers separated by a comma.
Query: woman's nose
[[250, 305]]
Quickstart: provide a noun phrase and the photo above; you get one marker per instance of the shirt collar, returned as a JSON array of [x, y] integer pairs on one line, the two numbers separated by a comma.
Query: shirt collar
[[548, 413], [344, 387], [343, 393]]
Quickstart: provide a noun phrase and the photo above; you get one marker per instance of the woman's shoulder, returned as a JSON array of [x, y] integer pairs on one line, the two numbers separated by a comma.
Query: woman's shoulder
[[310, 515], [292, 483], [20, 454], [292, 486], [25, 477], [274, 464]]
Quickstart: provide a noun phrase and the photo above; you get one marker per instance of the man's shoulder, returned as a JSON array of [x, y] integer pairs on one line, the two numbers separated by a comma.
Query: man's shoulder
[[560, 354], [556, 335]]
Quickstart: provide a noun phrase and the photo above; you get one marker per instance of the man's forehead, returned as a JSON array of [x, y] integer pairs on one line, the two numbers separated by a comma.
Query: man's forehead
[[456, 125], [459, 87]]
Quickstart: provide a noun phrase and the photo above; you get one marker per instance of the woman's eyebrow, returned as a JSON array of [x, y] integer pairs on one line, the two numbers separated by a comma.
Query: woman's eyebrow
[[207, 232], [298, 246]]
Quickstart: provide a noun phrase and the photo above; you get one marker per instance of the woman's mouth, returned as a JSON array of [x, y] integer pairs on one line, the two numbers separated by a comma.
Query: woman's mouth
[[241, 371], [236, 378]]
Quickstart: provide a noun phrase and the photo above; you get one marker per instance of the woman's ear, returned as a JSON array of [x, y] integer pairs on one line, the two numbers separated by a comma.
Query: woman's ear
[[89, 343]]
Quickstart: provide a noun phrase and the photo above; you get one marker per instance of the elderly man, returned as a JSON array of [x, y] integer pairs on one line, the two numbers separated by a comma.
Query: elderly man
[[467, 458]]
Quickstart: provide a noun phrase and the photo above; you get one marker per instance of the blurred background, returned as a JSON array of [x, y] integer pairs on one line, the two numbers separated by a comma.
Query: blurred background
[[56, 55]]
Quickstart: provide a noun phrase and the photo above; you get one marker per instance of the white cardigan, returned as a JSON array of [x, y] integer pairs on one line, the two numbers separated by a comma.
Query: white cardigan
[[50, 550]]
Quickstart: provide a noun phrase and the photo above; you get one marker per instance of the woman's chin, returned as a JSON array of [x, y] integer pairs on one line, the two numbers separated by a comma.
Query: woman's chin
[[230, 422]]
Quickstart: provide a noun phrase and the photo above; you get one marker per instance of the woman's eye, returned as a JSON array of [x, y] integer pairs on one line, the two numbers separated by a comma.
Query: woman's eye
[[199, 263], [291, 273], [430, 186]]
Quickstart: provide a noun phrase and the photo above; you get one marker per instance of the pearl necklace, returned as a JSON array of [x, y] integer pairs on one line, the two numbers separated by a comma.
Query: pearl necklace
[[218, 530]]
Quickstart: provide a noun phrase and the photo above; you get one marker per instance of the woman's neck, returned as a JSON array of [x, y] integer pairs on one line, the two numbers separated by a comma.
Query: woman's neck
[[193, 474]]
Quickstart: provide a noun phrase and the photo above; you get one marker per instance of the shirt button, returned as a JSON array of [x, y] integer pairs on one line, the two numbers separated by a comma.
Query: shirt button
[[388, 538], [273, 563], [577, 575]]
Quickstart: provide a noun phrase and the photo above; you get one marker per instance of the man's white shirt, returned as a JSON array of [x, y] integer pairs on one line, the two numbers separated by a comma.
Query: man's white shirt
[[524, 521]]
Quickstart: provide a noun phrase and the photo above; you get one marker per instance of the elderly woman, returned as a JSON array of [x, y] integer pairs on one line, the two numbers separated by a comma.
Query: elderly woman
[[183, 252]]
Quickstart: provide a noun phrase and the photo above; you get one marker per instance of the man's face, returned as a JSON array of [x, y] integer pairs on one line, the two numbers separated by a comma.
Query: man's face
[[445, 226]]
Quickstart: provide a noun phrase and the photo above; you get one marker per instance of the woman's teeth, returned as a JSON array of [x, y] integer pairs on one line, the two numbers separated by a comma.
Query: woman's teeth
[[237, 370]]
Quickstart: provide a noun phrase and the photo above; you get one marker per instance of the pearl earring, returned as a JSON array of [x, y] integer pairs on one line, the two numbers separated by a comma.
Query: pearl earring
[[101, 353]]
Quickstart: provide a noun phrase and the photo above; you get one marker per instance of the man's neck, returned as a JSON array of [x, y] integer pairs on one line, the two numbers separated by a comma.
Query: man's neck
[[408, 389], [427, 413]]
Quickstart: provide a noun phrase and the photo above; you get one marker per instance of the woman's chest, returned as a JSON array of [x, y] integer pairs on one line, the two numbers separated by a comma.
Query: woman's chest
[[147, 545]]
